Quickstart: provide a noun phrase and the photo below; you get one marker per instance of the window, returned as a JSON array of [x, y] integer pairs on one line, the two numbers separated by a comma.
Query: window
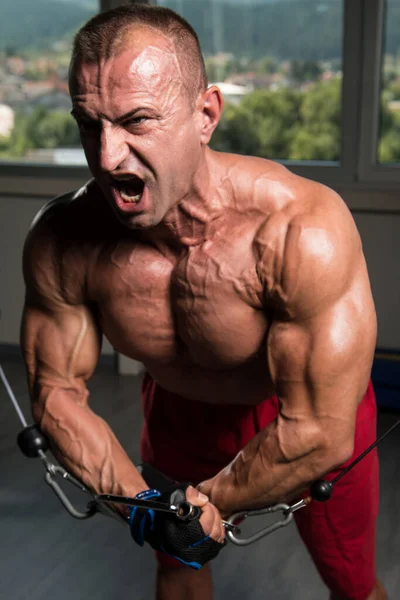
[[35, 45], [379, 157], [311, 83], [279, 67], [388, 149]]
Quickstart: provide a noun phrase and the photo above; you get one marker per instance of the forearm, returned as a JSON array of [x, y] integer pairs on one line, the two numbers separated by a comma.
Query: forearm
[[84, 444], [261, 474]]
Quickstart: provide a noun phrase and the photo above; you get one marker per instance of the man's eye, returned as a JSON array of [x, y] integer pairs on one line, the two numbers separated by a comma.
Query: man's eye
[[135, 121]]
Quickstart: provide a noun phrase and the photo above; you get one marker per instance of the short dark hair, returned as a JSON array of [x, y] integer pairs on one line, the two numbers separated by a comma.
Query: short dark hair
[[105, 35]]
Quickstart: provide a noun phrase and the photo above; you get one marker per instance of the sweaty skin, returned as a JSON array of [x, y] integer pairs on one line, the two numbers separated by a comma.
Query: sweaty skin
[[235, 280]]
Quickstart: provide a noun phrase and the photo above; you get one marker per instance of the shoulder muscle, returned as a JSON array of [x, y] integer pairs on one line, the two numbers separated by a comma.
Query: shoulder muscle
[[44, 254], [309, 254]]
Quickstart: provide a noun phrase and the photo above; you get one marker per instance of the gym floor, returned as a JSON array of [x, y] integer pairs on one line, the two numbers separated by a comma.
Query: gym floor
[[46, 554]]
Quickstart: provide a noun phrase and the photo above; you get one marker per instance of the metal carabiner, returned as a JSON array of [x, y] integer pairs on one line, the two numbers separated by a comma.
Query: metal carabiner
[[287, 513], [49, 478], [93, 507]]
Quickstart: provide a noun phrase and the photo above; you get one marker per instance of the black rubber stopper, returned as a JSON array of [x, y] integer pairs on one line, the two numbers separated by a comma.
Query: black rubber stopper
[[31, 440], [321, 490]]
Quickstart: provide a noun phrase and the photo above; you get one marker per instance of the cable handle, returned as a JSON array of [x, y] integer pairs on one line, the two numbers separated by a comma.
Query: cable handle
[[187, 512]]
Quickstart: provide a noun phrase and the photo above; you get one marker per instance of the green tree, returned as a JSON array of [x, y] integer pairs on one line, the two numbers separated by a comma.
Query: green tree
[[267, 64], [20, 140], [285, 124], [393, 91], [4, 146], [319, 136], [305, 70], [55, 129], [389, 147], [40, 129], [389, 140], [262, 124]]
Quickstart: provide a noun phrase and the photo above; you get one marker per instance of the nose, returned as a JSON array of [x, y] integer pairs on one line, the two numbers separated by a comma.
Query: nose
[[114, 148]]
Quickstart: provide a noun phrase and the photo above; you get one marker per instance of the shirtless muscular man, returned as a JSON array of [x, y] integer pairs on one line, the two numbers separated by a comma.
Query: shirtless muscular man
[[240, 286]]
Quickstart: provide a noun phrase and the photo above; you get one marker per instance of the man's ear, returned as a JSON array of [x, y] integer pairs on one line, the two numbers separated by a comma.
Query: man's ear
[[212, 105]]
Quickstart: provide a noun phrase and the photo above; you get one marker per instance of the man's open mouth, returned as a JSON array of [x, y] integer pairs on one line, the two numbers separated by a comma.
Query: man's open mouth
[[130, 190]]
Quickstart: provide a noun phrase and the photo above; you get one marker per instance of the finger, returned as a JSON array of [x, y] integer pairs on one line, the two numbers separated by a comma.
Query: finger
[[211, 523], [210, 519], [218, 530], [195, 497], [205, 486]]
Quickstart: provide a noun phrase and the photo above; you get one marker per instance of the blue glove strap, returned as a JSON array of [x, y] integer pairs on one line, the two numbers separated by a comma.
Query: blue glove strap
[[152, 493], [147, 519]]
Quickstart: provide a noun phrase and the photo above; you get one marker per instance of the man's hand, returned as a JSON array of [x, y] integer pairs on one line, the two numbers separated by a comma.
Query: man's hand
[[217, 488], [192, 542], [210, 520]]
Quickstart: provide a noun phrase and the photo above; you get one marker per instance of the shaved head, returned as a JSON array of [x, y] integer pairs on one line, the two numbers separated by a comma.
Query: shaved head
[[111, 33]]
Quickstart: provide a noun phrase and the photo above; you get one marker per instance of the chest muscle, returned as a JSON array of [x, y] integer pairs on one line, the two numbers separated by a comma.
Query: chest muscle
[[204, 304]]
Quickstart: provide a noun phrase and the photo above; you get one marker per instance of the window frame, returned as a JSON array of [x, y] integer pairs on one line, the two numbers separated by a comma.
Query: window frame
[[345, 171], [357, 171], [374, 31]]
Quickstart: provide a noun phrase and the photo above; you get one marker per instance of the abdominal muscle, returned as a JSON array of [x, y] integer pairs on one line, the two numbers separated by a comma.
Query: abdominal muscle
[[247, 384]]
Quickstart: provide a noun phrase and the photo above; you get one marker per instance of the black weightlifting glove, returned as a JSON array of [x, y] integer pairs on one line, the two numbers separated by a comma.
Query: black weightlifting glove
[[185, 540]]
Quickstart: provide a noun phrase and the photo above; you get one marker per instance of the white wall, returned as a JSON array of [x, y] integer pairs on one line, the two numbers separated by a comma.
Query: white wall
[[380, 234]]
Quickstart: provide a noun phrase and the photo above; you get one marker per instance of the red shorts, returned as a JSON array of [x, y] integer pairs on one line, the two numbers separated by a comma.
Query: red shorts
[[192, 441]]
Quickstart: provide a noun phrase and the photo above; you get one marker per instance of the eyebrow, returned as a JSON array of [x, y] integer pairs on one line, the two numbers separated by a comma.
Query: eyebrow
[[80, 114]]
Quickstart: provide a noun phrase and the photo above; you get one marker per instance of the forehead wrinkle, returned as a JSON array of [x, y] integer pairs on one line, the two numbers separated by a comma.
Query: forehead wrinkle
[[156, 74], [152, 63], [149, 75], [160, 42]]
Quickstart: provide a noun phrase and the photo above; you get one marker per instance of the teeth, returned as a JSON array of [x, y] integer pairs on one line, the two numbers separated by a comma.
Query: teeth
[[133, 199]]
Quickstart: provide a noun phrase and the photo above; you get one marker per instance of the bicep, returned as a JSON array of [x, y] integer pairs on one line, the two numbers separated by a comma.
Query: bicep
[[59, 345], [60, 339], [320, 367]]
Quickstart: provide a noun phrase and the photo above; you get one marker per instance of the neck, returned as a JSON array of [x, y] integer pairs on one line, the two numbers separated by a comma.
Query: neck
[[191, 221]]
